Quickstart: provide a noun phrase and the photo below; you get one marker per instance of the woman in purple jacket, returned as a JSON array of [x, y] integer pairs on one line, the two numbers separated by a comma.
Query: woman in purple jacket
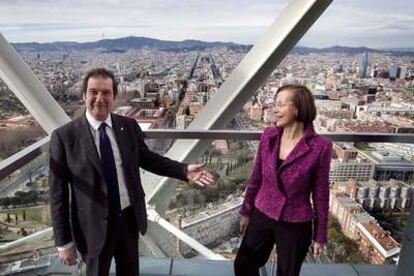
[[292, 165]]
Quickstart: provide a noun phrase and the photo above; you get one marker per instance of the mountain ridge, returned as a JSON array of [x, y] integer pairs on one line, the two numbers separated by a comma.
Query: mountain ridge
[[140, 42]]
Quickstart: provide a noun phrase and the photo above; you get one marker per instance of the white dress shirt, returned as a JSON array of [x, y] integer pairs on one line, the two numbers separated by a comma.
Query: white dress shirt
[[94, 127]]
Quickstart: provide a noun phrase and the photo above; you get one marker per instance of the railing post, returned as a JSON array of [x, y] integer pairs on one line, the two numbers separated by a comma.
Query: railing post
[[406, 262]]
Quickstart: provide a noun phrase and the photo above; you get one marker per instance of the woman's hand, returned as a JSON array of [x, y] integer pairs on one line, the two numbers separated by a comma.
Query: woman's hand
[[244, 222], [317, 249]]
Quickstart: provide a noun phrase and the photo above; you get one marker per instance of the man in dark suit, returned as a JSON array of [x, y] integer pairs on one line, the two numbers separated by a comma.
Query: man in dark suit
[[97, 200]]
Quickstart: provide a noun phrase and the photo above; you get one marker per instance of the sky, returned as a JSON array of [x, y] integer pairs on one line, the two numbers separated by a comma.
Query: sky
[[370, 23]]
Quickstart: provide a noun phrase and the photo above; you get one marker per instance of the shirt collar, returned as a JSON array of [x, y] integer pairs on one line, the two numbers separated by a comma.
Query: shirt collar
[[95, 124]]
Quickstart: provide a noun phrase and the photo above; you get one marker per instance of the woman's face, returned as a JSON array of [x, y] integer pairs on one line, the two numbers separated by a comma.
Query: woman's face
[[285, 109]]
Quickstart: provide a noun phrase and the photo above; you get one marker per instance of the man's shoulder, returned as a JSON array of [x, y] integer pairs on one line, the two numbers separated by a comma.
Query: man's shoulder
[[127, 123], [69, 127], [123, 119]]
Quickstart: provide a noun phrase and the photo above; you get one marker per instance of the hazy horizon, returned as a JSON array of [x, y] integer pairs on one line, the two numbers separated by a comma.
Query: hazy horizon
[[374, 24], [96, 40]]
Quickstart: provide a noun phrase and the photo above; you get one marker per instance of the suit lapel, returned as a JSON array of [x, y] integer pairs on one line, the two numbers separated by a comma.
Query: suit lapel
[[301, 148], [274, 144], [87, 140]]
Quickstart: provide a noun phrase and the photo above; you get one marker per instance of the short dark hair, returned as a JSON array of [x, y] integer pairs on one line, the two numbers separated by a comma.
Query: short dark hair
[[303, 101], [100, 72]]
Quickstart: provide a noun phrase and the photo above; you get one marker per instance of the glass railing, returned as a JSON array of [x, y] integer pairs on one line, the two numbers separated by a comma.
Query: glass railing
[[360, 210], [18, 129]]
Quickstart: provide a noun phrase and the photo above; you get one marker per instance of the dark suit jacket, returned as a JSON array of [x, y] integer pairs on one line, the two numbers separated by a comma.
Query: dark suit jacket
[[79, 200]]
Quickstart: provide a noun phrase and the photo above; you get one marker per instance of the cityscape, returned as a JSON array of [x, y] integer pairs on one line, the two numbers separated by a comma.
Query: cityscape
[[184, 64], [356, 90]]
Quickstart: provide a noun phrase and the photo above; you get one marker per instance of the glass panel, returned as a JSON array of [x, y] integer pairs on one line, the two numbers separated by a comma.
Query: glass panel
[[197, 211], [18, 129], [24, 210], [356, 90]]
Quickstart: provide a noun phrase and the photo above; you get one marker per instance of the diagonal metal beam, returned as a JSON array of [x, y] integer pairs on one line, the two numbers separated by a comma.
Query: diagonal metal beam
[[29, 90], [253, 70], [201, 249], [257, 65]]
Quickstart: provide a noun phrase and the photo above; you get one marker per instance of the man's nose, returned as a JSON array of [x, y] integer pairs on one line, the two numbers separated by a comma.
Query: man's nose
[[99, 97]]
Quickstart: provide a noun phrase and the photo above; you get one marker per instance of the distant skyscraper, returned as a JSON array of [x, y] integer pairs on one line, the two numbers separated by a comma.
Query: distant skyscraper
[[338, 68], [395, 72], [403, 73], [363, 66], [374, 73]]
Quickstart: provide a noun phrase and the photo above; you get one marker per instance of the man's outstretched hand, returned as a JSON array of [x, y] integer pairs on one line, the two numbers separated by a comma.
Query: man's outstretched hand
[[197, 174]]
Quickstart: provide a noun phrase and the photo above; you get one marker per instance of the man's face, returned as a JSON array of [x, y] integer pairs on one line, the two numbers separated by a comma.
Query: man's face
[[99, 97]]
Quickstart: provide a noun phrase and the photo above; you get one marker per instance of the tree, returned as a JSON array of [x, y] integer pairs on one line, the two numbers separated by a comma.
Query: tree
[[23, 232], [332, 234], [5, 202], [24, 215], [339, 251], [8, 219], [231, 167]]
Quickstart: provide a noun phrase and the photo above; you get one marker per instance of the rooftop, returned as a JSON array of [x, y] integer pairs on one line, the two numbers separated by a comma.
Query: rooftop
[[383, 237], [379, 158]]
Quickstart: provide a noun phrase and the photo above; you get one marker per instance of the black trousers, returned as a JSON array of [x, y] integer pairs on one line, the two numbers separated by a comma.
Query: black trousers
[[292, 244], [121, 244]]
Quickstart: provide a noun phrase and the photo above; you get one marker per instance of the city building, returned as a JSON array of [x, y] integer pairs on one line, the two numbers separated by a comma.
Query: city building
[[359, 169], [376, 245], [389, 165], [255, 112], [387, 195], [345, 151], [212, 225], [362, 73]]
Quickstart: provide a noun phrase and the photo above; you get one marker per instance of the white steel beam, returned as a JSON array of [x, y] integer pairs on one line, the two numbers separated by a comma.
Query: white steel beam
[[257, 65], [29, 90], [204, 251], [252, 71], [46, 233]]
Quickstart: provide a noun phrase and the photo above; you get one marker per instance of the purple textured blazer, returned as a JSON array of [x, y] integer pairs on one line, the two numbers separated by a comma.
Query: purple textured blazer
[[284, 194]]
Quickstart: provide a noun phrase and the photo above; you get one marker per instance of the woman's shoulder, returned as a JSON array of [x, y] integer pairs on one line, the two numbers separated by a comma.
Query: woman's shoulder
[[270, 132], [321, 141]]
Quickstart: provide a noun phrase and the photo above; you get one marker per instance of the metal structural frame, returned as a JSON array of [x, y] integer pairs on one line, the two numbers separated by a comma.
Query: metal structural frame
[[257, 65], [282, 35]]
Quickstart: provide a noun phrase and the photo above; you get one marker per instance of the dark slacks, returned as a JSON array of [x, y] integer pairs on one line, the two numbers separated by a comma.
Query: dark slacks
[[292, 244], [121, 244]]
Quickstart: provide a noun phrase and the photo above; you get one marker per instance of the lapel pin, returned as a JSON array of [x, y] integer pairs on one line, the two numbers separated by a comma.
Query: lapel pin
[[122, 129]]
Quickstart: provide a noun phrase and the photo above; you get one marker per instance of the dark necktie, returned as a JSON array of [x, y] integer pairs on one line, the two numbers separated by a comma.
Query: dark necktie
[[109, 171]]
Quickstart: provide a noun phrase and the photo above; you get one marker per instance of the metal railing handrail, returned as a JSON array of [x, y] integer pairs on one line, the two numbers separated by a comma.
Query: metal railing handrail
[[23, 157], [29, 153]]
